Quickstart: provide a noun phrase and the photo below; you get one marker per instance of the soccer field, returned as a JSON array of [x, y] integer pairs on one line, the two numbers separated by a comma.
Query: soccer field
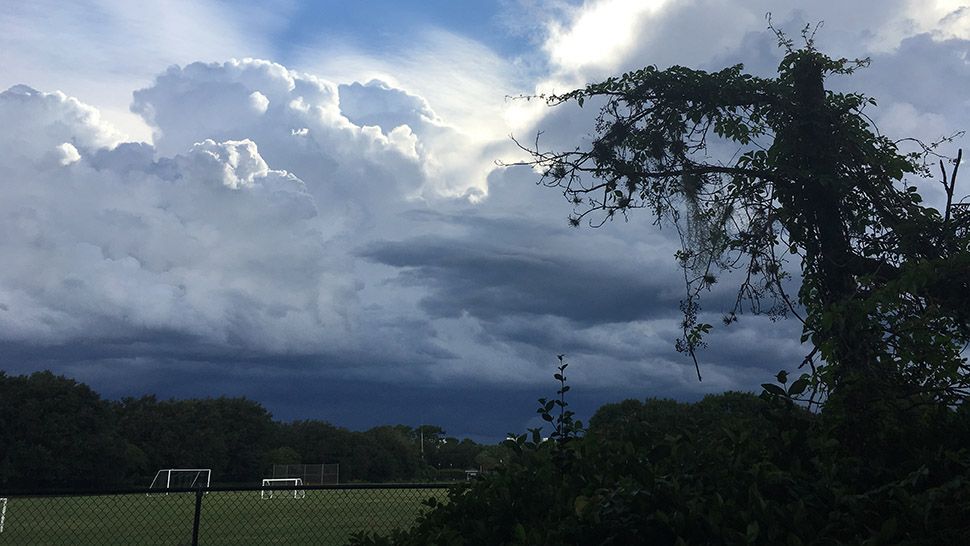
[[323, 517]]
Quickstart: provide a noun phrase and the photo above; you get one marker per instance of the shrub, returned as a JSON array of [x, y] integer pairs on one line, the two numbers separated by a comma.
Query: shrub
[[730, 469]]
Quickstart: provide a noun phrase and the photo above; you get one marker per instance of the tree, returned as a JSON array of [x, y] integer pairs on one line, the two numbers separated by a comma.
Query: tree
[[57, 433], [395, 455], [884, 296], [491, 457], [281, 455], [456, 454], [228, 435]]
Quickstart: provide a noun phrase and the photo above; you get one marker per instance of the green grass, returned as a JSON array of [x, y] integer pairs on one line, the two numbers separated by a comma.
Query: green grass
[[323, 517]]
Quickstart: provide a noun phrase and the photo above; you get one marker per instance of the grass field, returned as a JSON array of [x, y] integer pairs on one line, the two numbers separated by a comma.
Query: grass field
[[323, 517]]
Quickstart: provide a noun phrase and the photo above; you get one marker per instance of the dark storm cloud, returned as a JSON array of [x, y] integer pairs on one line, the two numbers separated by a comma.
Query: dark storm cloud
[[489, 282]]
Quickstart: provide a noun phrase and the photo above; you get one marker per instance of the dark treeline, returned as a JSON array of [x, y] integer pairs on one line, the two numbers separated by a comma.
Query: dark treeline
[[732, 468], [58, 433]]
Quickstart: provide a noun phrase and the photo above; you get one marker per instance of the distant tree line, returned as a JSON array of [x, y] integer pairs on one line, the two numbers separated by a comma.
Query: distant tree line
[[59, 433]]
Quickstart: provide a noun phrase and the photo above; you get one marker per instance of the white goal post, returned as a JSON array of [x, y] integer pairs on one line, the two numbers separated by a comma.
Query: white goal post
[[3, 512], [269, 482], [182, 478]]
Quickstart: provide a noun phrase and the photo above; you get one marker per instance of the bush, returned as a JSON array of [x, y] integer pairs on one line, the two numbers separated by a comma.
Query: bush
[[730, 469]]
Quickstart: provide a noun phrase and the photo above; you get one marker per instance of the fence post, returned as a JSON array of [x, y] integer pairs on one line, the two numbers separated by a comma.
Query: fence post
[[198, 515]]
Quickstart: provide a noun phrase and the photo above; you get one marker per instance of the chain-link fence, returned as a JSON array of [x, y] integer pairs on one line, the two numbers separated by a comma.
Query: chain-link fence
[[284, 514]]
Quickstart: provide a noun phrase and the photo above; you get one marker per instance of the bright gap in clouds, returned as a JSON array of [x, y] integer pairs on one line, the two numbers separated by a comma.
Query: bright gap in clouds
[[600, 33], [462, 80]]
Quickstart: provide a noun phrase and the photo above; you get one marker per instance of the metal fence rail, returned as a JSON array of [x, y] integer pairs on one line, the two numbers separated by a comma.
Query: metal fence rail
[[303, 514]]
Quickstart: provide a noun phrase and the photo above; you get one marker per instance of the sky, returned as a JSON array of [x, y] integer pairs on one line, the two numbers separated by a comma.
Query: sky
[[304, 203]]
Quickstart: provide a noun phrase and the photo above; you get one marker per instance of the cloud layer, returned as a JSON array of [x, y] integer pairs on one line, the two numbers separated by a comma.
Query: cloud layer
[[355, 231]]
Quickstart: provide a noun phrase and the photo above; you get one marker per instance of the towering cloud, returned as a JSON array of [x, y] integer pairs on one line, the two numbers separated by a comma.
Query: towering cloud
[[237, 233], [103, 241]]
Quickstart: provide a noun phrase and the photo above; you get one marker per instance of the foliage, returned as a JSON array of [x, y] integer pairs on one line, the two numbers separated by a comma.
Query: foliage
[[381, 454], [756, 173], [56, 432], [730, 469], [228, 435]]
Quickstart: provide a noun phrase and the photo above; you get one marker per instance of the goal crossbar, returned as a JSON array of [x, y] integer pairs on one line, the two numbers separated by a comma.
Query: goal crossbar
[[167, 473], [270, 482]]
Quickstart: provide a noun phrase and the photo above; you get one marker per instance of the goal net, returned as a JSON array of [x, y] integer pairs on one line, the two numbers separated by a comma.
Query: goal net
[[182, 478], [311, 474], [286, 493]]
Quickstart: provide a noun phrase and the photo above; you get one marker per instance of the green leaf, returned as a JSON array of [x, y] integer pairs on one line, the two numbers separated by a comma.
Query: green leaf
[[753, 531], [798, 386], [773, 389], [888, 529], [580, 504], [519, 533]]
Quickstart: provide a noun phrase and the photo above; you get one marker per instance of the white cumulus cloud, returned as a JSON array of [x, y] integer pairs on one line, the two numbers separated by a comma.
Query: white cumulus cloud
[[34, 124], [212, 243], [324, 133]]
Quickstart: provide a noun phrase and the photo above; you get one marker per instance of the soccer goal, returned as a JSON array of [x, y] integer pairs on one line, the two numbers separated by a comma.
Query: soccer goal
[[182, 478], [3, 512], [311, 474], [295, 493]]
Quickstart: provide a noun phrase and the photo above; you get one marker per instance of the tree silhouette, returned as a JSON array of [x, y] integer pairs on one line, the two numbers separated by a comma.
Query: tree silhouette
[[807, 178]]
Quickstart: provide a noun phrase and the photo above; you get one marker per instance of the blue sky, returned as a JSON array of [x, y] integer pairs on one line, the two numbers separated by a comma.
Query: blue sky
[[299, 202], [390, 24]]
